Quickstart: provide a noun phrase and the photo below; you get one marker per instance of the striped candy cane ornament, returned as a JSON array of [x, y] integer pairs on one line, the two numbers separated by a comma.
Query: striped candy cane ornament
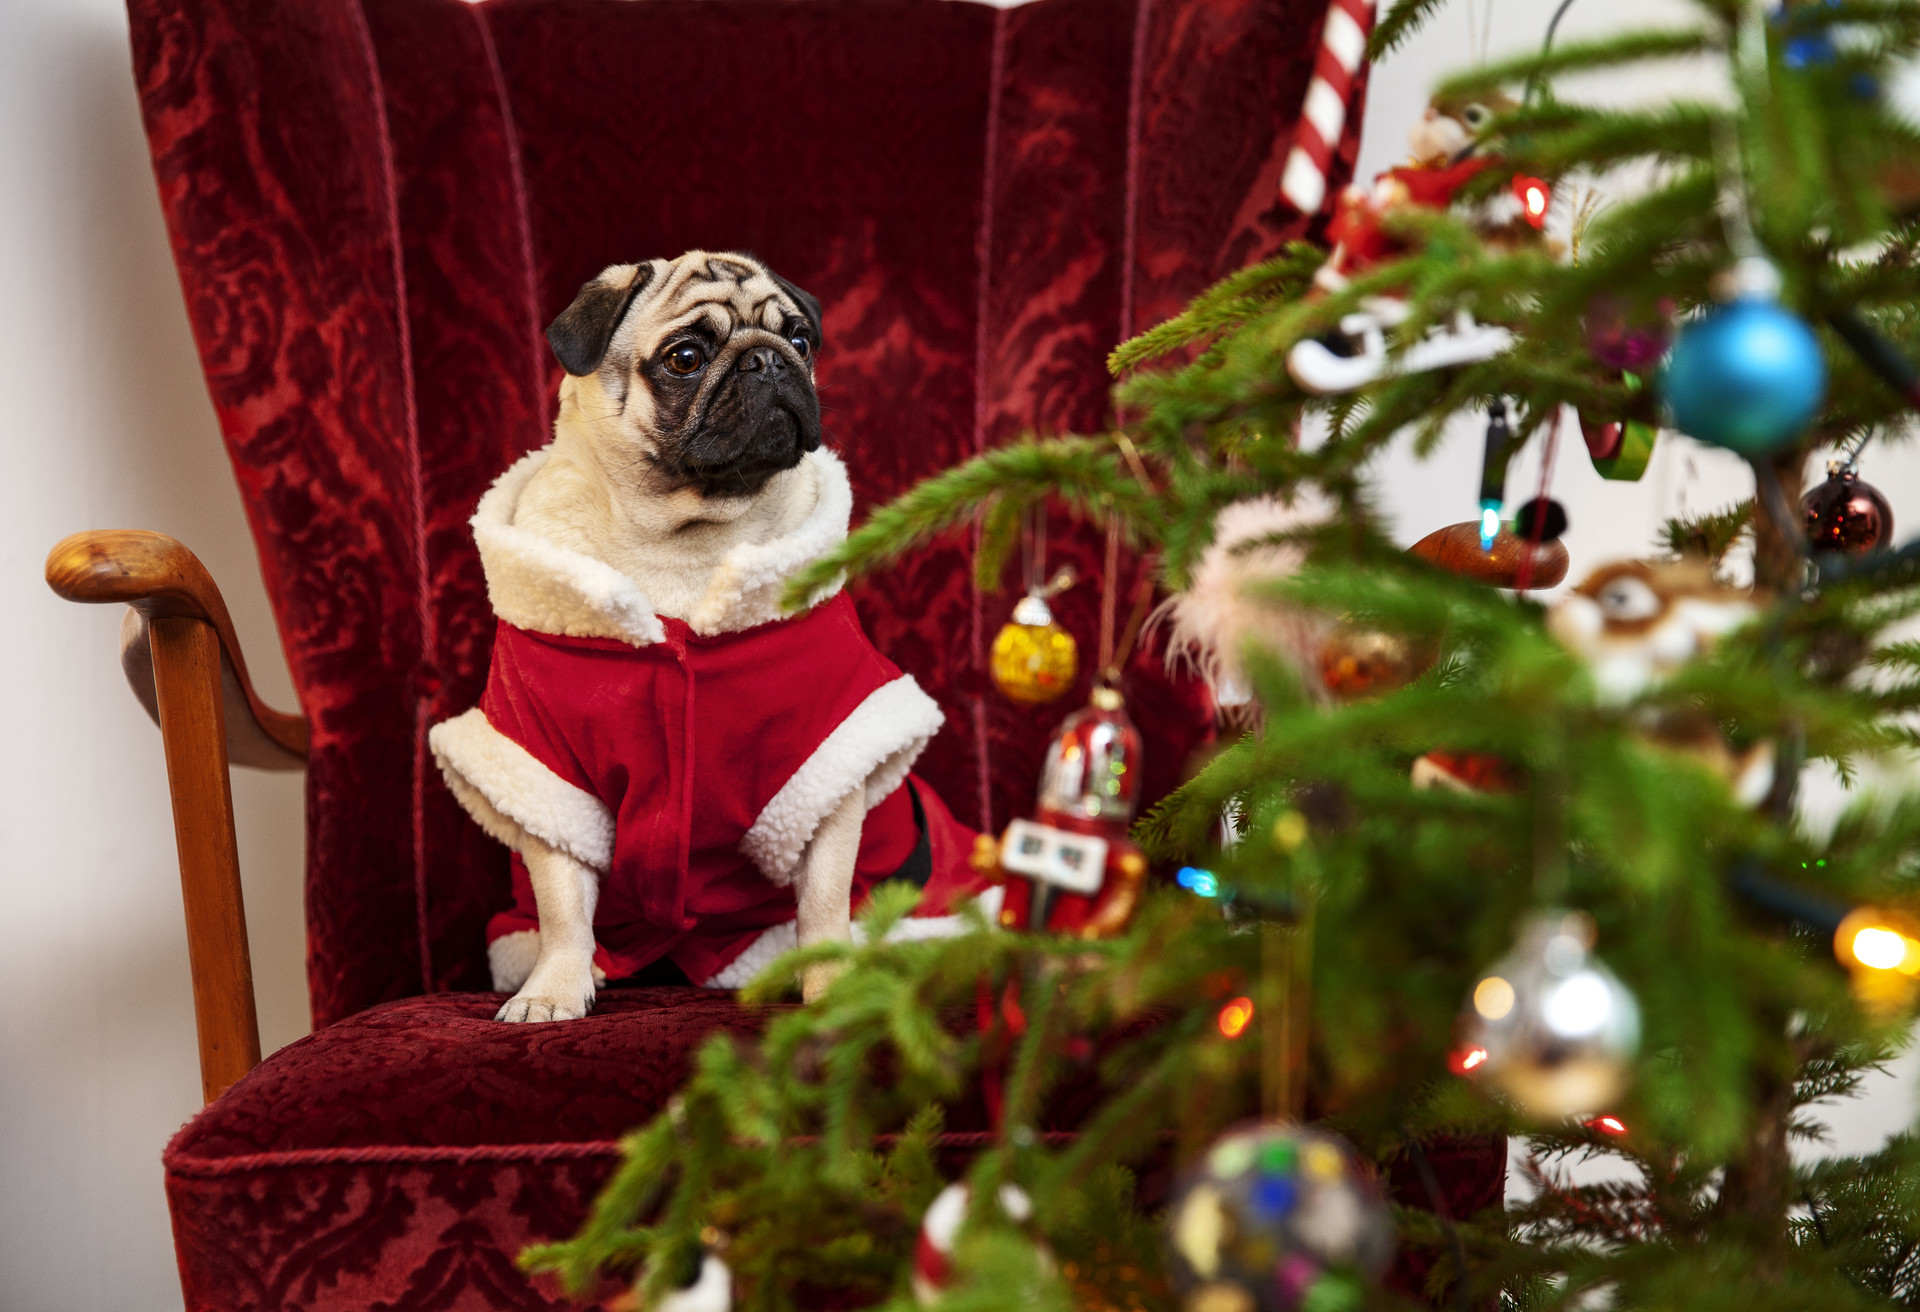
[[1323, 115]]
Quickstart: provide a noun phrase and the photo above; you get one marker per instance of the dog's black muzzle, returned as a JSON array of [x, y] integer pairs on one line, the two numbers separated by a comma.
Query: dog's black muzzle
[[763, 417]]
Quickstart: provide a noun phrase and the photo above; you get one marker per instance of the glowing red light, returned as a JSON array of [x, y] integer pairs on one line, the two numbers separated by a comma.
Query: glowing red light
[[1608, 1125], [1464, 1061], [1235, 1017], [1534, 197]]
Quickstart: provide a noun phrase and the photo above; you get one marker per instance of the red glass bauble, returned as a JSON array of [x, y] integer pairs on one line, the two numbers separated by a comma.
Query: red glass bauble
[[1847, 515]]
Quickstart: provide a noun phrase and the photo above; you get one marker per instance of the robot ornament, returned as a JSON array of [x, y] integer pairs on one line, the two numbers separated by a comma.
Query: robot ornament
[[1071, 868]]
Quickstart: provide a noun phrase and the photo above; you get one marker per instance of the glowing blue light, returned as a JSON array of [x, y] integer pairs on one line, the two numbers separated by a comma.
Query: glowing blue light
[[1489, 527], [1200, 881]]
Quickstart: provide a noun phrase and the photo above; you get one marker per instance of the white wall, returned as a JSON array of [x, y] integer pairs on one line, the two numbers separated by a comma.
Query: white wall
[[105, 418], [106, 423], [1611, 520]]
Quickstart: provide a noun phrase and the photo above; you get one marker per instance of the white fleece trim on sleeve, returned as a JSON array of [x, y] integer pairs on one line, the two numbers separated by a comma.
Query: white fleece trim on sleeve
[[539, 585], [511, 794], [874, 747], [744, 591]]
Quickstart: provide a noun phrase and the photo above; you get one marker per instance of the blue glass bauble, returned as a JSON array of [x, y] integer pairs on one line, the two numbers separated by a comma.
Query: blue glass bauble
[[1748, 377]]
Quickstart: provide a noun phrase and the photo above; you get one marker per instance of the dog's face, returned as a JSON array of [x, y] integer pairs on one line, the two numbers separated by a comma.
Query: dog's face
[[695, 373]]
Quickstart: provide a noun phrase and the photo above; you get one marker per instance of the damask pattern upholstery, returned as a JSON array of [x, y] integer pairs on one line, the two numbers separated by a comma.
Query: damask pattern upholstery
[[376, 206]]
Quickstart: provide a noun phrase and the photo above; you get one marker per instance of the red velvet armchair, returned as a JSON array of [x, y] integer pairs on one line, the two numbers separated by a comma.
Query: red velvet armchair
[[376, 206]]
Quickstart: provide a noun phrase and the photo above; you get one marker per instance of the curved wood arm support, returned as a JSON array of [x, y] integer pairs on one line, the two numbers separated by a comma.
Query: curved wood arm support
[[191, 675], [157, 577]]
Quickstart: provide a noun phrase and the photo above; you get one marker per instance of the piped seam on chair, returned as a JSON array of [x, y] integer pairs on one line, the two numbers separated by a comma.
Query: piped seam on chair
[[983, 243], [416, 491], [195, 1167], [1129, 238], [517, 175]]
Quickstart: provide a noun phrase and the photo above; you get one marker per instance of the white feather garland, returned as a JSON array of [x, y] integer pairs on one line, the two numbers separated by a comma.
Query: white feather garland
[[1212, 624]]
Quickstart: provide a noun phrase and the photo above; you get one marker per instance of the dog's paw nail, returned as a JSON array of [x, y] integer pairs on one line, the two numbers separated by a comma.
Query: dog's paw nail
[[533, 1010]]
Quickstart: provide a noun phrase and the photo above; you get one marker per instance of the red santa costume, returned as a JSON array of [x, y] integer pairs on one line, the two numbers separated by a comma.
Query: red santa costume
[[689, 762]]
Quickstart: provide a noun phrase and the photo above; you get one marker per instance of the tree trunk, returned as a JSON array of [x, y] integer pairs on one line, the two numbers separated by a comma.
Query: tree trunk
[[1758, 1188], [1778, 562]]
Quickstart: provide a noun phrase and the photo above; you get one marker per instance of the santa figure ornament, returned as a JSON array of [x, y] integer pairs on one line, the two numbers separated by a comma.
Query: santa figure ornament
[[1446, 154]]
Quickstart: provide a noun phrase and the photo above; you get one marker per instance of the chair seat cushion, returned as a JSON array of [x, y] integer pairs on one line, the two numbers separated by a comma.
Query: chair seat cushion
[[399, 1158], [440, 1072]]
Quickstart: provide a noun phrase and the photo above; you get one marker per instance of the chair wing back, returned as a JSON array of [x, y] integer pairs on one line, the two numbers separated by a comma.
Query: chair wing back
[[377, 205]]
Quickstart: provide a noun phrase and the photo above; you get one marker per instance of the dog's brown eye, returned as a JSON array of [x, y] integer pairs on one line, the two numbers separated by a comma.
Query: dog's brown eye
[[800, 344], [686, 359]]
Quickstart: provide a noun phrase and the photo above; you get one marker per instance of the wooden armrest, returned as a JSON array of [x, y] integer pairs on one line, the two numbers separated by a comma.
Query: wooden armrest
[[157, 577], [184, 662]]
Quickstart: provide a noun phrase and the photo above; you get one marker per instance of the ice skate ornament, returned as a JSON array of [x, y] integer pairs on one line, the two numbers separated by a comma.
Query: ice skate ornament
[[1445, 156], [1323, 370]]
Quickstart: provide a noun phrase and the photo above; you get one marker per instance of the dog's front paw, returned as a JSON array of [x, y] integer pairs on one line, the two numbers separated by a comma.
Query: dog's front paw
[[816, 979], [523, 1007], [548, 999]]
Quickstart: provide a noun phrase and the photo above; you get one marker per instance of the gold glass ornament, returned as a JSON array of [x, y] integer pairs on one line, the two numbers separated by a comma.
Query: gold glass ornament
[[1357, 662], [1034, 659]]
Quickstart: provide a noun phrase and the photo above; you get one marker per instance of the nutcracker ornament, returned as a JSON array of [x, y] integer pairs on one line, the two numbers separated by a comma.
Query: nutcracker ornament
[[1071, 868]]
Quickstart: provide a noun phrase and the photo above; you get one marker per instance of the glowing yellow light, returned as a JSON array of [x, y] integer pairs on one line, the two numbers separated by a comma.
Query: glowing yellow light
[[1474, 1058], [1872, 938], [1235, 1017], [1493, 997], [1880, 949], [1536, 201], [1289, 831]]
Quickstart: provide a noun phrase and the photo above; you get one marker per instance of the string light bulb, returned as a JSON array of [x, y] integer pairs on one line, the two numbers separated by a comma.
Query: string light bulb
[[1535, 196], [1881, 951], [1235, 1017]]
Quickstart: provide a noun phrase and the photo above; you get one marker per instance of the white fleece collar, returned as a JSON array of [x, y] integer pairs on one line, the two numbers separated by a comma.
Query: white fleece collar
[[534, 583]]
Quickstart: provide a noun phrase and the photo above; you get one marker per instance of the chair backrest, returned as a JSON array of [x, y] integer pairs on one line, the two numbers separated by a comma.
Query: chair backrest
[[377, 206]]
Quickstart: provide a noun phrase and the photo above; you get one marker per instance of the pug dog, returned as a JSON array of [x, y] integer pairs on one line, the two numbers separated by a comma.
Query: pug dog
[[657, 740]]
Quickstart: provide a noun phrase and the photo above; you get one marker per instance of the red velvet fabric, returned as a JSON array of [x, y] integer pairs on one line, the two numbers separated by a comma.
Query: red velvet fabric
[[376, 206]]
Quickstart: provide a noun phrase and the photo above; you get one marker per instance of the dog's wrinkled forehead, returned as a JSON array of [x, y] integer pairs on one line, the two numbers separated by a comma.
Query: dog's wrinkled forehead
[[627, 311]]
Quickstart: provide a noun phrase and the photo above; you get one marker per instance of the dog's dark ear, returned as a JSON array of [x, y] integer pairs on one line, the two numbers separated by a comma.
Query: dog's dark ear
[[808, 306], [581, 334]]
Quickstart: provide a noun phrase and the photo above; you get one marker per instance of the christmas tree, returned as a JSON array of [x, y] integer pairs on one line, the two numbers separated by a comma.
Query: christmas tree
[[1600, 926]]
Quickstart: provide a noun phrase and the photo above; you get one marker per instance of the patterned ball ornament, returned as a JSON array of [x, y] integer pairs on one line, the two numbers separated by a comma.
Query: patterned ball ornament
[[1277, 1218], [1847, 515], [1033, 659], [1748, 376], [1550, 1026]]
